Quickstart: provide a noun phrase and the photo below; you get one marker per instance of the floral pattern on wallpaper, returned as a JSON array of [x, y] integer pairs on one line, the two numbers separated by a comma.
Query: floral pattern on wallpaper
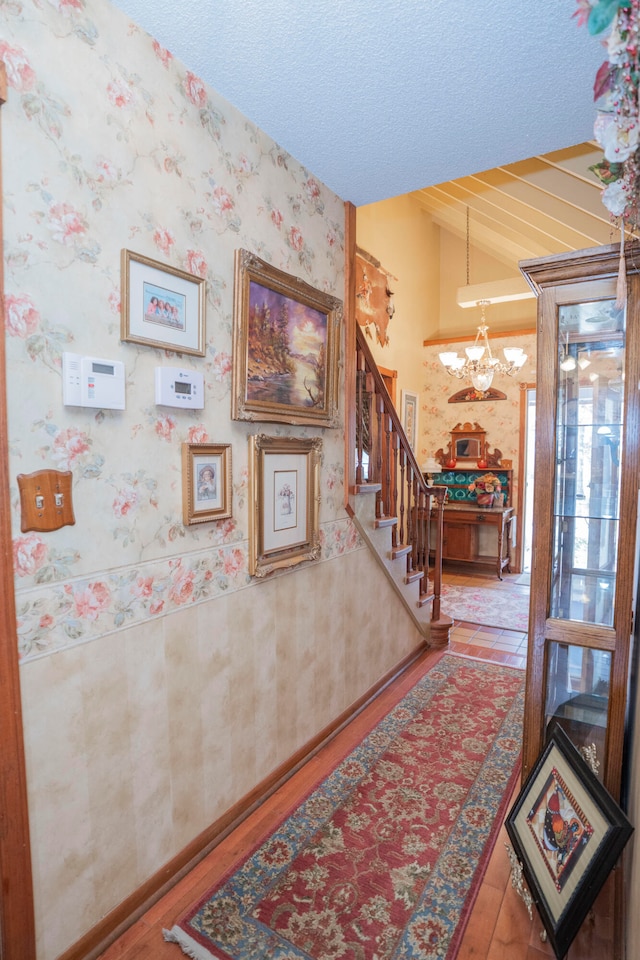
[[76, 611], [134, 151], [500, 418]]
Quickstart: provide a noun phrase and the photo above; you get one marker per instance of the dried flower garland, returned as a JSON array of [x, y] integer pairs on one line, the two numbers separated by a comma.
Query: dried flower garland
[[617, 126]]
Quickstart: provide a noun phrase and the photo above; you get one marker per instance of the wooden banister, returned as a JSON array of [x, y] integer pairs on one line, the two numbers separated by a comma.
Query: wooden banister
[[384, 457]]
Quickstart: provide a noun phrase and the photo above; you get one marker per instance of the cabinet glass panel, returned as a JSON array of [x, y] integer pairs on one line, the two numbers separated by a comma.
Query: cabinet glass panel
[[589, 417], [578, 694]]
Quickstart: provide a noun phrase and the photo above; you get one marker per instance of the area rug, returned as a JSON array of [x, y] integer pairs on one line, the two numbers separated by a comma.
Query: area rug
[[383, 859], [488, 606]]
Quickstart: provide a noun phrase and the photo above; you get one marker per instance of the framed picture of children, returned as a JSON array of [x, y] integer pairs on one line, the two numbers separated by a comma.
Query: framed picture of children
[[161, 305], [206, 482]]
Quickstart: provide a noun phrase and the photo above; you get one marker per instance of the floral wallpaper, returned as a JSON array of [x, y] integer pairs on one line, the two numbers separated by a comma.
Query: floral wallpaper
[[123, 147], [500, 418]]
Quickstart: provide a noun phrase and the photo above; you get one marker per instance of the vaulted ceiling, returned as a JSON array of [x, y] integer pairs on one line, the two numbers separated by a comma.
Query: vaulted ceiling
[[547, 204]]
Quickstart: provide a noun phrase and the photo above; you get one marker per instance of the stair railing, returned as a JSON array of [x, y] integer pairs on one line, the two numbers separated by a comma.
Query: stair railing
[[404, 501]]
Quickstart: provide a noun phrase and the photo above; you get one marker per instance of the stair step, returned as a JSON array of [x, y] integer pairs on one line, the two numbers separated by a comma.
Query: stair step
[[384, 522], [423, 601], [400, 551], [412, 577], [365, 488]]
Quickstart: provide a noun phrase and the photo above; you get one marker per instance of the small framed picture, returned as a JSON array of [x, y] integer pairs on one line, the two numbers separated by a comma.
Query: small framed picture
[[284, 502], [410, 417], [206, 482], [161, 305], [285, 347], [568, 832]]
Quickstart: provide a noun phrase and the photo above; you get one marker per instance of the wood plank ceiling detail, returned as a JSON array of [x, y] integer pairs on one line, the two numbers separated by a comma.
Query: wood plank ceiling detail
[[547, 204]]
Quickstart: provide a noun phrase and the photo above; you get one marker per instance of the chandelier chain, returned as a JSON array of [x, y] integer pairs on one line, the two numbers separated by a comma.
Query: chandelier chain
[[468, 259]]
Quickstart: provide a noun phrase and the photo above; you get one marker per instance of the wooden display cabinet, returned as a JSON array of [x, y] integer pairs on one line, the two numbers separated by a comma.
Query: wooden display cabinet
[[585, 503]]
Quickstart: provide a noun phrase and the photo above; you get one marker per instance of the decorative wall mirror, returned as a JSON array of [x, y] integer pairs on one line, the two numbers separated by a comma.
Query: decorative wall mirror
[[468, 443], [467, 446]]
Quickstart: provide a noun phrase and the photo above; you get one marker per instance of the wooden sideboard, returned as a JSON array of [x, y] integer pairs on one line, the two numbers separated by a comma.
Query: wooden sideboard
[[462, 525]]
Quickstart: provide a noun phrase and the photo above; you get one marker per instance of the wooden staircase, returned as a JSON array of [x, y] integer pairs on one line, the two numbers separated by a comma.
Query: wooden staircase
[[396, 513]]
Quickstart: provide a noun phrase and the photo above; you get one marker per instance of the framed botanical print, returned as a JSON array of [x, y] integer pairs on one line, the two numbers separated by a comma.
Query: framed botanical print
[[285, 347], [284, 502], [410, 417], [206, 482]]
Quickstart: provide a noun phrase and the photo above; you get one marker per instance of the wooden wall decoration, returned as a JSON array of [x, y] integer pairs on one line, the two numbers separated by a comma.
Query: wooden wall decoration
[[374, 296], [470, 394]]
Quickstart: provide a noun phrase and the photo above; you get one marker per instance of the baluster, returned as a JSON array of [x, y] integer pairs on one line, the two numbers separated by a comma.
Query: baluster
[[422, 555], [393, 481], [403, 531], [378, 473], [388, 457], [440, 494], [360, 415], [412, 518]]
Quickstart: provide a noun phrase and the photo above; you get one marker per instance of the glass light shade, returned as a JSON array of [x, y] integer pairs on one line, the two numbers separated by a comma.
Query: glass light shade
[[474, 353], [520, 362], [569, 363], [458, 363], [482, 380], [514, 355], [448, 357]]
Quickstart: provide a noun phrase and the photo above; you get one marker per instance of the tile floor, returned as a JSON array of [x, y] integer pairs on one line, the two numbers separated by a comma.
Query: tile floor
[[475, 640]]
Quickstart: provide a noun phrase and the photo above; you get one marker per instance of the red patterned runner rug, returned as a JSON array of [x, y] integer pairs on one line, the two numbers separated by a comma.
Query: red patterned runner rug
[[383, 859]]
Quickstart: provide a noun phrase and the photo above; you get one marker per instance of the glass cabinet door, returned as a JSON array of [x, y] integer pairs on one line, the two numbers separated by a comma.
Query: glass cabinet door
[[586, 512], [589, 419], [585, 506]]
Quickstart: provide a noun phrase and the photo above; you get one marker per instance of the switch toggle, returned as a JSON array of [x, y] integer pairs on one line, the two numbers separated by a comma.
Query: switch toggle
[[45, 500]]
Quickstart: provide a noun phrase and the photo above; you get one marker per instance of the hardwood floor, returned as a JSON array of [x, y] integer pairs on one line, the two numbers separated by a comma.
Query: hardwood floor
[[499, 927]]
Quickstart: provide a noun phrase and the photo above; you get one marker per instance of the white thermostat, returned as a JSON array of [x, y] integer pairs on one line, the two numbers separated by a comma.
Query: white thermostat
[[91, 382], [176, 387]]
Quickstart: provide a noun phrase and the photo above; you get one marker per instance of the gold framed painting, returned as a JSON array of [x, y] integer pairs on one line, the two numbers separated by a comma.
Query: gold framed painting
[[284, 502], [161, 306], [206, 482], [285, 347]]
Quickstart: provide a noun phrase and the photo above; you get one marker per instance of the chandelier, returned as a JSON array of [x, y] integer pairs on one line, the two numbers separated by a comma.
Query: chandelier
[[480, 365]]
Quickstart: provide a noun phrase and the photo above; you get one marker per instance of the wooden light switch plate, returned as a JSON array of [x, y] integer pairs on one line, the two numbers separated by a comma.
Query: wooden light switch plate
[[45, 500]]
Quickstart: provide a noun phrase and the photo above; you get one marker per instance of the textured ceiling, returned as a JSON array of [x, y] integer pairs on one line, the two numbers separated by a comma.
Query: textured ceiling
[[380, 99]]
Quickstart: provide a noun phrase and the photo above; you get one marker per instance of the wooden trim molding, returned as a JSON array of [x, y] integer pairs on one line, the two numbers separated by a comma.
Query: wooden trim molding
[[17, 926], [522, 479], [349, 347]]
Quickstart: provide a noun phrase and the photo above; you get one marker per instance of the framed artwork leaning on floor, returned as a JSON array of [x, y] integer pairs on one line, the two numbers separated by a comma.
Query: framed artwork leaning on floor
[[567, 831]]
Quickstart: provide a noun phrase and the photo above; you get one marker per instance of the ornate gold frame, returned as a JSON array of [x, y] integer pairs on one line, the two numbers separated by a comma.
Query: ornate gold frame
[[273, 461], [252, 354], [198, 506]]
